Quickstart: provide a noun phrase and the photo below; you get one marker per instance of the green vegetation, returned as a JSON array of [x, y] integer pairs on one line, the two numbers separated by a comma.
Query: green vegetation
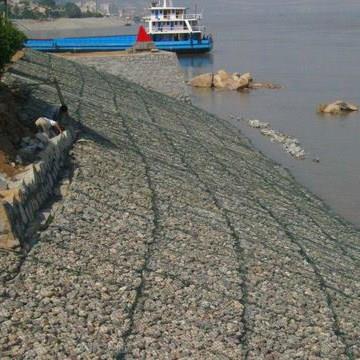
[[47, 3], [11, 40], [72, 10], [2, 8]]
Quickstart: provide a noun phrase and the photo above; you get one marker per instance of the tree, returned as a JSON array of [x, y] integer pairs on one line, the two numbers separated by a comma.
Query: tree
[[72, 10], [11, 40], [2, 8], [55, 13], [16, 11], [88, 14]]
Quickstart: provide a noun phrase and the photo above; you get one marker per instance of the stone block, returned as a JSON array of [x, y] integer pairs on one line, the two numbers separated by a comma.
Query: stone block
[[9, 241], [2, 226], [3, 183], [36, 187]]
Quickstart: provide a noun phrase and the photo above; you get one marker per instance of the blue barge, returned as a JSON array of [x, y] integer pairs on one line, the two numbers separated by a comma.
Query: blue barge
[[116, 43]]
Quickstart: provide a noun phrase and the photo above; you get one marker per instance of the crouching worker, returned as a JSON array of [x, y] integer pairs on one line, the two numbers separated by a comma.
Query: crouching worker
[[50, 127]]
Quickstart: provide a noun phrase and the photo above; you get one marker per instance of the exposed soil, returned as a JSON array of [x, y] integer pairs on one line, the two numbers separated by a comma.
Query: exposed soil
[[11, 132]]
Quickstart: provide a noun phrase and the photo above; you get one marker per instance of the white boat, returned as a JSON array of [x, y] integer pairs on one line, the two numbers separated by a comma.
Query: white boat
[[173, 28]]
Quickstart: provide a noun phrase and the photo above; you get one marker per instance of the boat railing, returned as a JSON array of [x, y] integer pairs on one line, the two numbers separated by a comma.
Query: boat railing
[[193, 16], [172, 17], [170, 29], [166, 17]]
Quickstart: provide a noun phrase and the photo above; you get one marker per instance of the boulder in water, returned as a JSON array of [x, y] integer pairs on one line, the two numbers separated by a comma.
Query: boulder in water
[[223, 75], [337, 107], [225, 80], [237, 84], [222, 79], [247, 77], [230, 81], [203, 81], [219, 83]]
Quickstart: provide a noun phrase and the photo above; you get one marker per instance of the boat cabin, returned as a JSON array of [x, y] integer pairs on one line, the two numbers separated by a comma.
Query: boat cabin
[[171, 23]]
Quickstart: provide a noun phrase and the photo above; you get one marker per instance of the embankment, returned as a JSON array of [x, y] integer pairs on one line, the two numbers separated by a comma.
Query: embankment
[[159, 71], [177, 240]]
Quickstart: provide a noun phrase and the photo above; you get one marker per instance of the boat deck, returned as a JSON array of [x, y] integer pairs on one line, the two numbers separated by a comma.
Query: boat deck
[[113, 43]]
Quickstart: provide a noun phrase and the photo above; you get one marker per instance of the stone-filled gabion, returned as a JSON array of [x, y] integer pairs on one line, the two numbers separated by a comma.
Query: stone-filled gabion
[[158, 71], [177, 240]]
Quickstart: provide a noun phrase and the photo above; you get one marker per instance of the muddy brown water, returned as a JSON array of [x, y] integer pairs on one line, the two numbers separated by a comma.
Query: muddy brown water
[[310, 47]]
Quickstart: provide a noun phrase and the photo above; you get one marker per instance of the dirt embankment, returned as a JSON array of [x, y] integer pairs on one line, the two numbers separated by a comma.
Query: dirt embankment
[[11, 132]]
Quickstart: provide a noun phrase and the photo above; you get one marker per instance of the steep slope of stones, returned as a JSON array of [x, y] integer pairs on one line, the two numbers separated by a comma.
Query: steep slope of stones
[[177, 240]]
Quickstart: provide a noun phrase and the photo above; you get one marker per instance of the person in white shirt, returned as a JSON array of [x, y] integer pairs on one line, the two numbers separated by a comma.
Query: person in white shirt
[[46, 125]]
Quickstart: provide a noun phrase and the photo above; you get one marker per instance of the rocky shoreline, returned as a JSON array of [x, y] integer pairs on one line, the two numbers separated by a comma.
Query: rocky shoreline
[[176, 240]]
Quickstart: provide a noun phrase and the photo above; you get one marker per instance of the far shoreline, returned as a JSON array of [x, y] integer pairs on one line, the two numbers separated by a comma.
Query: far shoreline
[[66, 27]]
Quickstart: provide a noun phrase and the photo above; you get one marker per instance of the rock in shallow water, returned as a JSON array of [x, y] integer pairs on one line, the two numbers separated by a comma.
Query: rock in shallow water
[[229, 81], [337, 107], [257, 124], [202, 81], [290, 145]]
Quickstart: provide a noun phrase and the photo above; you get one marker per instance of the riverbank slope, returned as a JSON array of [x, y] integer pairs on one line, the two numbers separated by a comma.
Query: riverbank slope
[[177, 239]]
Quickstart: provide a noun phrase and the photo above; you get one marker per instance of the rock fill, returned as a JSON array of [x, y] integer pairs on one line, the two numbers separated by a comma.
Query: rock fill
[[176, 240], [290, 144]]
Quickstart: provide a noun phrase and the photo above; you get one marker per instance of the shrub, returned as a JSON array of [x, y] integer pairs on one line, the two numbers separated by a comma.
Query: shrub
[[11, 40]]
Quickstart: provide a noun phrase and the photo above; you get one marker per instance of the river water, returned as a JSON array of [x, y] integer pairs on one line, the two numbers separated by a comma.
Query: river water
[[312, 48]]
